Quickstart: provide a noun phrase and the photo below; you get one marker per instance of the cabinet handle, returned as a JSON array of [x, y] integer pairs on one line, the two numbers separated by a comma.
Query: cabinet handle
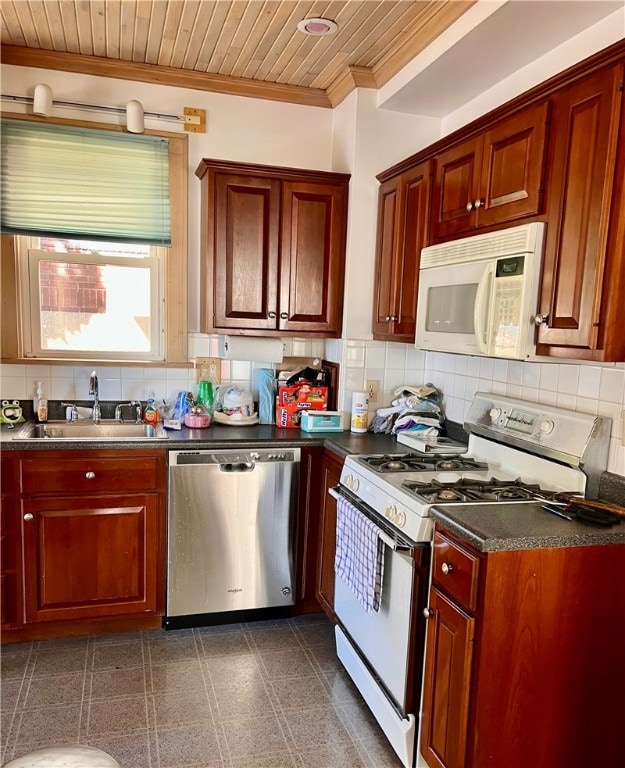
[[283, 315], [90, 475], [478, 203], [469, 206], [394, 318], [387, 318], [28, 517], [428, 613], [540, 319], [272, 315], [447, 568]]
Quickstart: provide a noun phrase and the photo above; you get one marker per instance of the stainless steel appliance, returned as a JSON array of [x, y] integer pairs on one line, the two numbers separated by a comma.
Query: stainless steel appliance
[[230, 533], [478, 295], [517, 452]]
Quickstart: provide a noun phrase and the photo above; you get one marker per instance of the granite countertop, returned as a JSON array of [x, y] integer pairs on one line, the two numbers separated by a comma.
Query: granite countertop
[[504, 527], [222, 437]]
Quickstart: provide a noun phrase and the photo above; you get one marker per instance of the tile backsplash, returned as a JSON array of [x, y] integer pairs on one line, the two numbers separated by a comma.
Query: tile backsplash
[[596, 389]]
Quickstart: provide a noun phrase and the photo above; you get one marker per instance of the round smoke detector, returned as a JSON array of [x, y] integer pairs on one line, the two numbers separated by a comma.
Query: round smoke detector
[[317, 26]]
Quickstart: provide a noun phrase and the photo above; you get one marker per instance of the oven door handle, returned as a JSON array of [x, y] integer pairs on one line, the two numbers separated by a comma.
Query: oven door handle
[[395, 544]]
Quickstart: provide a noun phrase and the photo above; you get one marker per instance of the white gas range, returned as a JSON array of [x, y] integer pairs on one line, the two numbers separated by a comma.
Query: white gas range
[[518, 452]]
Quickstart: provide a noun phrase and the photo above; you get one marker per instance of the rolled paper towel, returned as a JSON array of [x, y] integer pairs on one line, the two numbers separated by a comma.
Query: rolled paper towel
[[256, 350]]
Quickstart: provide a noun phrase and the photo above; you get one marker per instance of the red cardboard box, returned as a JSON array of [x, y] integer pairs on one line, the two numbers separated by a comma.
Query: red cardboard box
[[295, 399]]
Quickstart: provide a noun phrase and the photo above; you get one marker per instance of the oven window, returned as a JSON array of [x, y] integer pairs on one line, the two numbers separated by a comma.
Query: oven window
[[450, 308]]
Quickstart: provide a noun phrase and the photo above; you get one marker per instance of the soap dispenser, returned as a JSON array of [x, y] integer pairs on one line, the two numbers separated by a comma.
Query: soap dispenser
[[40, 403]]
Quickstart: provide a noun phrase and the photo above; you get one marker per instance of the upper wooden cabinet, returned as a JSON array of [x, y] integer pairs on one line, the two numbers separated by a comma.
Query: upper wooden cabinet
[[403, 213], [273, 249], [492, 177], [583, 279]]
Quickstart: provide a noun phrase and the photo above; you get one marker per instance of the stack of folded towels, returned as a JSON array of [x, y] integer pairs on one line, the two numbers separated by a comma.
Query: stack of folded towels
[[414, 409]]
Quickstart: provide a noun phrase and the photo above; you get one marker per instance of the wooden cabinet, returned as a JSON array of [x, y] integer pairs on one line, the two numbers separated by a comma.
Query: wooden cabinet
[[584, 262], [10, 560], [512, 672], [308, 529], [492, 177], [331, 467], [403, 224], [272, 250], [91, 537]]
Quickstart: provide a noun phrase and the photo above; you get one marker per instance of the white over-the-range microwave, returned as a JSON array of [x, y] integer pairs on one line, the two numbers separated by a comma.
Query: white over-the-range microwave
[[479, 295]]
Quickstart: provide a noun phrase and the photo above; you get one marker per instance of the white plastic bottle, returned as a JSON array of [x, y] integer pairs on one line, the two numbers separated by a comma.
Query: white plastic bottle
[[360, 412]]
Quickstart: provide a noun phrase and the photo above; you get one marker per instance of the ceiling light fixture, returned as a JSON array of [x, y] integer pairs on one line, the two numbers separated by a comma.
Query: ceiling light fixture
[[317, 27]]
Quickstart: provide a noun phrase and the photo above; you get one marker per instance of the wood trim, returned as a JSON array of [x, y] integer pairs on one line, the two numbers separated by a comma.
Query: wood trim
[[160, 75], [9, 336], [347, 81], [604, 58], [270, 171]]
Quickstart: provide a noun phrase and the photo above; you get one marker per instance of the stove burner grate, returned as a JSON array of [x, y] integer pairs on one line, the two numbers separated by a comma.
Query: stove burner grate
[[468, 490], [420, 462]]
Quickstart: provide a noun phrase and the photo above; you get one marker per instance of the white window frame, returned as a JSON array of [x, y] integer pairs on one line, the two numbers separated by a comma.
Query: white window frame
[[30, 255]]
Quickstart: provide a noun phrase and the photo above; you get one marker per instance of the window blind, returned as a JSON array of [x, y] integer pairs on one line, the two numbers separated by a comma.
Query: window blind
[[91, 184]]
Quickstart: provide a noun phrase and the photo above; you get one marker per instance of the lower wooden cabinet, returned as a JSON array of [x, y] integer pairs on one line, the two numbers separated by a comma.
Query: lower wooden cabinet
[[330, 474], [83, 541], [534, 674]]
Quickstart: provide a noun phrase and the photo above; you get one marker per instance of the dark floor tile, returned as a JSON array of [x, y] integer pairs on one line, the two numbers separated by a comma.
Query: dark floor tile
[[316, 633], [219, 629], [61, 661], [274, 638], [251, 737], [13, 665], [103, 684], [188, 745], [246, 699], [340, 687], [130, 750], [176, 676], [9, 694], [119, 656], [49, 725], [276, 760], [180, 708], [359, 720], [286, 663], [6, 718], [312, 728], [55, 690], [331, 756], [121, 715], [324, 658], [224, 644], [172, 648], [232, 670], [115, 638], [379, 753], [306, 691], [61, 643]]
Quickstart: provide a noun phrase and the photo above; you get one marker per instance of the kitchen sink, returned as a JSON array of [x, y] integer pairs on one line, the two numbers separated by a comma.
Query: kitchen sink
[[106, 429]]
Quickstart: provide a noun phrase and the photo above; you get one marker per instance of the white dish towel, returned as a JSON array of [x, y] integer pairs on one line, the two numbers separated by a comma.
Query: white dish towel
[[359, 558]]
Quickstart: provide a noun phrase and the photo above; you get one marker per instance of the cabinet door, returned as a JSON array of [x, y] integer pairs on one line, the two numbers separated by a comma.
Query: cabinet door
[[90, 557], [456, 188], [585, 122], [388, 239], [10, 545], [403, 224], [312, 257], [513, 165], [447, 684], [331, 473], [245, 244]]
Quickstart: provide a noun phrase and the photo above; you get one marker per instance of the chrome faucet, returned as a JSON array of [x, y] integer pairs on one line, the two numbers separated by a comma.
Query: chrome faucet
[[93, 390], [135, 404]]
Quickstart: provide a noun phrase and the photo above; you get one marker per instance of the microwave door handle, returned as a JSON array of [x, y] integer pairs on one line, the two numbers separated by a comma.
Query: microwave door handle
[[481, 310]]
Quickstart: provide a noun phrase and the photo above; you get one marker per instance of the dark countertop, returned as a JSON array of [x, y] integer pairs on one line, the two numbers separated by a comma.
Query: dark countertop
[[504, 527], [221, 437]]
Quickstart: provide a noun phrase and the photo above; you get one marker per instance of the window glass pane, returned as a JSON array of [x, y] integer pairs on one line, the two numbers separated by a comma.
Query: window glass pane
[[62, 245], [98, 307]]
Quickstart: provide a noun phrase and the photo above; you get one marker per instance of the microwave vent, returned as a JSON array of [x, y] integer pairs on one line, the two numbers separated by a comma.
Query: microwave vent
[[506, 242]]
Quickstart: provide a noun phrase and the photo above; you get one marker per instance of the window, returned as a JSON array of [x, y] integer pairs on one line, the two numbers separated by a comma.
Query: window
[[93, 297]]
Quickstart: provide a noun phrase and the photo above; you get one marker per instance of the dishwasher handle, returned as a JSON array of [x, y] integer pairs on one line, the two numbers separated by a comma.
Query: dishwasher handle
[[238, 466]]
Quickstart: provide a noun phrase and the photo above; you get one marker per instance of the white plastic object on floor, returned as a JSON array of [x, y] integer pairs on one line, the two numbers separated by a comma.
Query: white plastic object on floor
[[70, 756]]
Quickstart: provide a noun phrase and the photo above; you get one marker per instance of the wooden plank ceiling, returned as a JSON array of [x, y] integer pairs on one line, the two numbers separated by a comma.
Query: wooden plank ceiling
[[244, 47]]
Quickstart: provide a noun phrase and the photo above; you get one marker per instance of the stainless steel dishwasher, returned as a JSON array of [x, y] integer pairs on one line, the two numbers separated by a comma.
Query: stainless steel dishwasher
[[231, 522]]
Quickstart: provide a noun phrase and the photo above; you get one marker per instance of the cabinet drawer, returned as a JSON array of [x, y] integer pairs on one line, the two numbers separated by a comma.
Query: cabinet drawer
[[455, 571], [90, 474]]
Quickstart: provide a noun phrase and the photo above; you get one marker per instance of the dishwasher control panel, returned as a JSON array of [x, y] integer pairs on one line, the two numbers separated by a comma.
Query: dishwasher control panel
[[266, 456]]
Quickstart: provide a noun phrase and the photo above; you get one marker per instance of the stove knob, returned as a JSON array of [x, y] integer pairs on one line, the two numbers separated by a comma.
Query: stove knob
[[495, 413], [446, 568], [400, 519], [355, 484], [349, 482], [547, 427]]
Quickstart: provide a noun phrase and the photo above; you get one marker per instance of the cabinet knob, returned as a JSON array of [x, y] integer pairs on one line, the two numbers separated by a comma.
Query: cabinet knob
[[540, 319], [28, 517], [447, 568], [272, 315], [428, 613], [388, 318], [478, 203], [283, 315], [394, 318], [89, 475], [469, 206]]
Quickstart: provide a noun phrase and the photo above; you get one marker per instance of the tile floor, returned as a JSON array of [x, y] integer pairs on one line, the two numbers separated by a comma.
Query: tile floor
[[264, 694]]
